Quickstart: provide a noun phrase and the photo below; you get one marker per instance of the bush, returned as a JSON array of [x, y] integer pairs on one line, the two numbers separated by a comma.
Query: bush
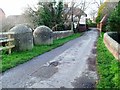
[[60, 27], [101, 12], [105, 8], [114, 20], [90, 23], [98, 19]]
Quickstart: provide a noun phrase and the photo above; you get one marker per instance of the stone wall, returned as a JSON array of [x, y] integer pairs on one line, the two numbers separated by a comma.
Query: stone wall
[[112, 45], [43, 35], [61, 34], [23, 37]]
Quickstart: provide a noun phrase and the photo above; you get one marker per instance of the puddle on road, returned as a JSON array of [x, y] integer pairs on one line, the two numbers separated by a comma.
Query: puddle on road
[[84, 82], [89, 77], [45, 72], [92, 63], [95, 44], [94, 51]]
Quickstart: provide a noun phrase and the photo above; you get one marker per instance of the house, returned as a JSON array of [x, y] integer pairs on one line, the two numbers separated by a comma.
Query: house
[[13, 20], [16, 19], [77, 12], [2, 15], [79, 16]]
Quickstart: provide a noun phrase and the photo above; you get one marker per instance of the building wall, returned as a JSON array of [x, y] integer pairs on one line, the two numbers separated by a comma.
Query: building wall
[[2, 15]]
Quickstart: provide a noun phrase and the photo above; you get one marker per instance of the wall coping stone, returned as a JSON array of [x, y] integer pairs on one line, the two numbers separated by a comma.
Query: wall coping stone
[[112, 45]]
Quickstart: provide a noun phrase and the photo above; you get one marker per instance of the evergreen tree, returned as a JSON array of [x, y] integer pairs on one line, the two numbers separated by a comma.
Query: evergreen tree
[[48, 13], [114, 19]]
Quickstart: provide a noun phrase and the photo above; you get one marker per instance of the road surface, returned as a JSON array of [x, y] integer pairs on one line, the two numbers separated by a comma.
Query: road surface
[[72, 65]]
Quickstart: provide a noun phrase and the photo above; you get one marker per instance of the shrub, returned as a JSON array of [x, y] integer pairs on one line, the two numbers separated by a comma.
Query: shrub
[[90, 23], [105, 8], [60, 27], [114, 19]]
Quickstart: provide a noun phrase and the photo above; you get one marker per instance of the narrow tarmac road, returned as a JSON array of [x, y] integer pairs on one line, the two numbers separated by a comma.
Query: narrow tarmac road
[[72, 65]]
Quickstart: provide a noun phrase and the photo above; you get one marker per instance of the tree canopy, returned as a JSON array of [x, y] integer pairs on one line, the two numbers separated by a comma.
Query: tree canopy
[[105, 8], [114, 20], [47, 13]]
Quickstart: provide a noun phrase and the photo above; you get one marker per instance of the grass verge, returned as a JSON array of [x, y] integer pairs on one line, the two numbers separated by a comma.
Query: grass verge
[[16, 58], [108, 67]]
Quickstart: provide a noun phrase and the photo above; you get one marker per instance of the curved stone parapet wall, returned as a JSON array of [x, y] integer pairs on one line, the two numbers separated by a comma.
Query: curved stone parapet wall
[[62, 34], [112, 45], [43, 35], [23, 37]]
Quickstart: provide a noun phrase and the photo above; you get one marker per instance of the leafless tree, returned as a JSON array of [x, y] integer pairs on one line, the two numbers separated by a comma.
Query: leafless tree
[[77, 9], [93, 13], [97, 2]]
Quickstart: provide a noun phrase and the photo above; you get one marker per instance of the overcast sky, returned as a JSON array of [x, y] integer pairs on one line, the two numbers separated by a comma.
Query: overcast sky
[[16, 7]]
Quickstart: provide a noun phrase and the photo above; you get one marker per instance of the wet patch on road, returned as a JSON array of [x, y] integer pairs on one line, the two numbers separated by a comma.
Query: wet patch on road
[[62, 88], [94, 51], [92, 63], [45, 72], [89, 77], [95, 44], [85, 81]]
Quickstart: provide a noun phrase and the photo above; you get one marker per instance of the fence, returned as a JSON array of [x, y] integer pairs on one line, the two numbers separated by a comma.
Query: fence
[[6, 41]]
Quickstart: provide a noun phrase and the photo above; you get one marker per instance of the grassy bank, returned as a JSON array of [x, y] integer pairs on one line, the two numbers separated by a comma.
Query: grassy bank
[[16, 58], [108, 67]]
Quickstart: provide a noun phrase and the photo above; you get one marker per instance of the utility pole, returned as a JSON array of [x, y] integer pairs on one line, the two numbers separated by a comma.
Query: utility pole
[[72, 28]]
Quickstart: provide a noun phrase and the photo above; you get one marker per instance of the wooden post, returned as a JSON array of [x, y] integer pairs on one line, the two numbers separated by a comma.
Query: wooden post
[[9, 40], [101, 28], [9, 43]]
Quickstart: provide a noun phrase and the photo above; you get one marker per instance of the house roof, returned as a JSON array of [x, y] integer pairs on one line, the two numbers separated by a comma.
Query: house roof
[[76, 11], [1, 10], [2, 14]]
